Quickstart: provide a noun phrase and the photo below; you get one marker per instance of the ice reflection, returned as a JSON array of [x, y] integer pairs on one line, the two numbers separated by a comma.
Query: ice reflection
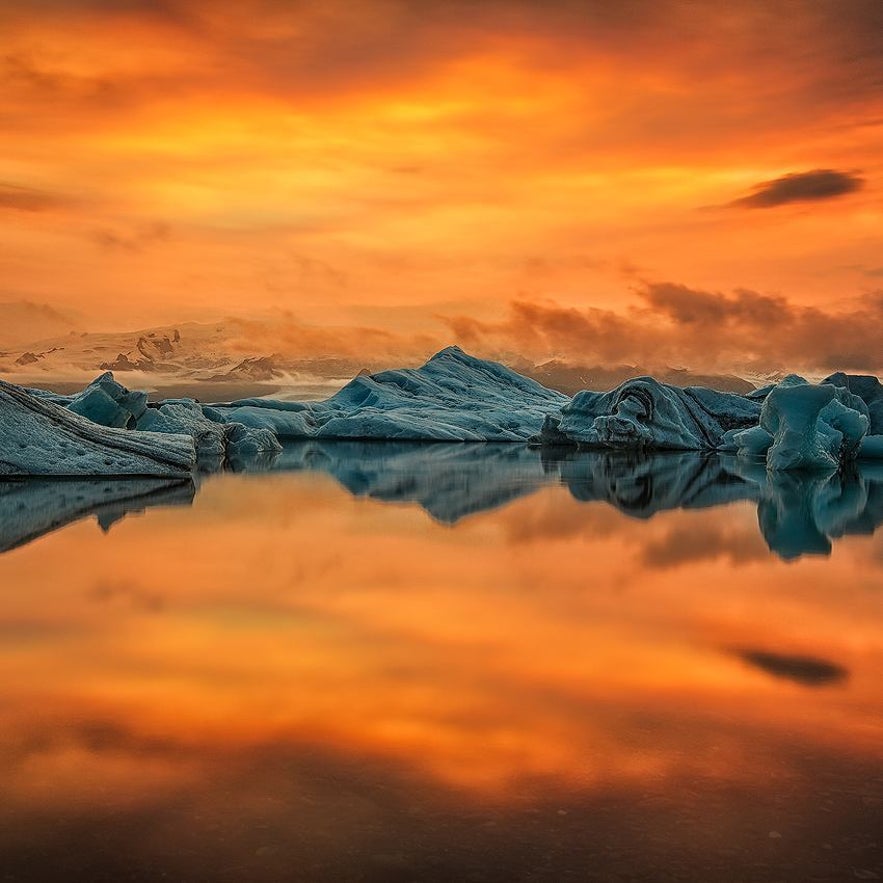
[[31, 508], [798, 513], [288, 682]]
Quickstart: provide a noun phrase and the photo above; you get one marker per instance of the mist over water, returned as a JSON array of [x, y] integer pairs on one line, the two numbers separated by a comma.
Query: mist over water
[[444, 662]]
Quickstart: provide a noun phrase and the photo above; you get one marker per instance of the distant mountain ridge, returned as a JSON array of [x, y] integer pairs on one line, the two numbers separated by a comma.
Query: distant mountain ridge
[[215, 352], [23, 321]]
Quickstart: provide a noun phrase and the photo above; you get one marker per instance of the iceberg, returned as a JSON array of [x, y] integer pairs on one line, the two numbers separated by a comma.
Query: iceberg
[[107, 402], [644, 414], [39, 437], [453, 397], [807, 426], [789, 425], [218, 445]]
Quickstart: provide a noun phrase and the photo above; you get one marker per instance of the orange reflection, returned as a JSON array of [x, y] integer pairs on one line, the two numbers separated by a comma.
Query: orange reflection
[[549, 641]]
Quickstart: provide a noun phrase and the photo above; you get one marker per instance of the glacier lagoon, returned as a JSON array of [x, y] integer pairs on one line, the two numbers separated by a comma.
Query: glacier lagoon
[[392, 661]]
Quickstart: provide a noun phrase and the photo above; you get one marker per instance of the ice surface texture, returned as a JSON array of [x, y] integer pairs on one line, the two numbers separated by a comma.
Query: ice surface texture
[[814, 426], [455, 397], [644, 414], [790, 425], [39, 437]]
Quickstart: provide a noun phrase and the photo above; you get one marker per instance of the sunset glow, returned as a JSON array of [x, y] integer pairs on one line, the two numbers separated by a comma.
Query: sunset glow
[[462, 172]]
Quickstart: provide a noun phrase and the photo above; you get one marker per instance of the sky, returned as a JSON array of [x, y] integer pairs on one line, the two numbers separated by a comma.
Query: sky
[[697, 184]]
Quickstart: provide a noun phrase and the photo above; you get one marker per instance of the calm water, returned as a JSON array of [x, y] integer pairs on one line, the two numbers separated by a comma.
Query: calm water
[[444, 663]]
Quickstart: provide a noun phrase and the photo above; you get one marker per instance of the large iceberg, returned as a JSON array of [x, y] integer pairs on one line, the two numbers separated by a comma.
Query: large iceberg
[[453, 397], [39, 437]]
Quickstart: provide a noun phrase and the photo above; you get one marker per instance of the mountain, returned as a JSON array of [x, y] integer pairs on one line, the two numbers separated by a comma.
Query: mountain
[[218, 352], [23, 321], [188, 354]]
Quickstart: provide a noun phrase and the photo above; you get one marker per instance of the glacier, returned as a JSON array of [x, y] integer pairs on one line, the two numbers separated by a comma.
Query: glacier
[[452, 398]]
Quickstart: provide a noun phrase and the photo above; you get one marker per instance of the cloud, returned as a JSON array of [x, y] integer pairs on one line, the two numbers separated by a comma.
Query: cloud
[[806, 670], [675, 325], [691, 542], [368, 346], [815, 186], [135, 241], [29, 199]]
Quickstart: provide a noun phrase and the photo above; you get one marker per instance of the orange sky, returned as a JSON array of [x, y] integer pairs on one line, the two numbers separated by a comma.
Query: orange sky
[[475, 171]]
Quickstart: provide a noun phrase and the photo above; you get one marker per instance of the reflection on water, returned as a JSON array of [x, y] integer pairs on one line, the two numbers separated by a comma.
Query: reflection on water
[[30, 508], [798, 513], [516, 674]]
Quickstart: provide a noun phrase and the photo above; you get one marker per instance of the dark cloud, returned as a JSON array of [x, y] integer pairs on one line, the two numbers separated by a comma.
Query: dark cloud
[[676, 325], [688, 306], [807, 670], [821, 54], [815, 186]]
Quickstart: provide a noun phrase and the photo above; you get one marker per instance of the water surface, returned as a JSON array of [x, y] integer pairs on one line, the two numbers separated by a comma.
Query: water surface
[[444, 662]]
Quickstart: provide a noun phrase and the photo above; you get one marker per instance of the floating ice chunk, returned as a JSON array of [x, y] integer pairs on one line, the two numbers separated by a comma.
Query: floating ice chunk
[[644, 414], [185, 416], [109, 403], [869, 389], [38, 437], [812, 426], [217, 444], [251, 448]]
